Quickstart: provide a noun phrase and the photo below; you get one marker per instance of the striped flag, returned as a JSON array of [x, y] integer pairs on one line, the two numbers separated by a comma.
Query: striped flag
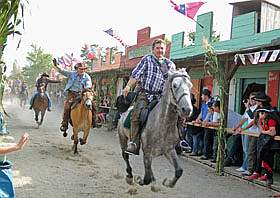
[[274, 55], [187, 9], [111, 32], [263, 56]]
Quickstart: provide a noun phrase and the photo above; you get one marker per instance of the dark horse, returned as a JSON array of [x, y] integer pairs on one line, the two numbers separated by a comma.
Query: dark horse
[[160, 135], [40, 104], [81, 118], [23, 97]]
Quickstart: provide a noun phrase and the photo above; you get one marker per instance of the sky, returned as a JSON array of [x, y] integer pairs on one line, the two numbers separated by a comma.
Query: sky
[[64, 26]]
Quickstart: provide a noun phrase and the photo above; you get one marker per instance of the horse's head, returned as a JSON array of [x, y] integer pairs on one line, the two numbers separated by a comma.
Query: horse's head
[[41, 89], [180, 86], [87, 98]]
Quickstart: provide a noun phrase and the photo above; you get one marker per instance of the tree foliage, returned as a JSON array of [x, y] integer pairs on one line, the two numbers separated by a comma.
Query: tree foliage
[[16, 72], [38, 62]]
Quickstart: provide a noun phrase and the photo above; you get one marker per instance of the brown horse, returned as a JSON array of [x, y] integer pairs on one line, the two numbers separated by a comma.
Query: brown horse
[[81, 117], [40, 105]]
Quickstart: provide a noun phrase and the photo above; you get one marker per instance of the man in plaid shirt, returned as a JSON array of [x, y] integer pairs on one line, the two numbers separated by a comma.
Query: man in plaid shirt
[[150, 75]]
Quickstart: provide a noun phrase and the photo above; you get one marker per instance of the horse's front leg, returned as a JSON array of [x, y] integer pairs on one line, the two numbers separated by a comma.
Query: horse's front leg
[[123, 142], [75, 139], [42, 117], [85, 136], [149, 176], [173, 159], [36, 116]]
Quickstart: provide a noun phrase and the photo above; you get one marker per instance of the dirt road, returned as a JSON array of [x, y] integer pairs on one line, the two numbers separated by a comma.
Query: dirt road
[[47, 167]]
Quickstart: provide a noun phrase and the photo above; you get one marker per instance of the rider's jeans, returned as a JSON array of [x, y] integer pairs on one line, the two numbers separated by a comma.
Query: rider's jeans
[[34, 95]]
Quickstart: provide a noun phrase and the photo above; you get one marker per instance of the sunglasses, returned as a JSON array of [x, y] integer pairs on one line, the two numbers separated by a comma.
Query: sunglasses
[[82, 69], [262, 112]]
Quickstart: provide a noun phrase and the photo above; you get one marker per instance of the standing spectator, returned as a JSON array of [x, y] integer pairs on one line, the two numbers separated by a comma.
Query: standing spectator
[[208, 133], [251, 106], [199, 137], [265, 156], [190, 129], [261, 100], [215, 123], [204, 135]]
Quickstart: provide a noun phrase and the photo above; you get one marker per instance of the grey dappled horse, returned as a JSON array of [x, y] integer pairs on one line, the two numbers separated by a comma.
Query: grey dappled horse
[[160, 135]]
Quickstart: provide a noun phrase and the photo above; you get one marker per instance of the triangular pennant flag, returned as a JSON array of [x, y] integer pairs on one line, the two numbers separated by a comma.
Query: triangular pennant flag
[[242, 58], [263, 56], [274, 55], [256, 58], [187, 9], [250, 57]]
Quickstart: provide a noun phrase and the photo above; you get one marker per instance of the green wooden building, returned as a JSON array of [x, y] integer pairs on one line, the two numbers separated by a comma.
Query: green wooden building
[[254, 41]]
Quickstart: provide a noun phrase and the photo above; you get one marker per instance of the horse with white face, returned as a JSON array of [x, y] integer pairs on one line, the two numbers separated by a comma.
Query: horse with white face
[[160, 135]]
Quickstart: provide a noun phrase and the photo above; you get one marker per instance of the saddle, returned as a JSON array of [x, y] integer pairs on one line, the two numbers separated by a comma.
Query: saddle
[[144, 114], [76, 101]]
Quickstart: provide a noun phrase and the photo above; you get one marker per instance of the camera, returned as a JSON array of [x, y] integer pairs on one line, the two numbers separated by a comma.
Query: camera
[[245, 100]]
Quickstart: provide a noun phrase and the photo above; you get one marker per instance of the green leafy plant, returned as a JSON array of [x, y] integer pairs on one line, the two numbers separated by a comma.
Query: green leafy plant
[[213, 67]]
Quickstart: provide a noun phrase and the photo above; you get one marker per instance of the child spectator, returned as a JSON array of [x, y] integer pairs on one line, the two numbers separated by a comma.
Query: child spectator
[[265, 156], [215, 123], [248, 116], [23, 140], [208, 133]]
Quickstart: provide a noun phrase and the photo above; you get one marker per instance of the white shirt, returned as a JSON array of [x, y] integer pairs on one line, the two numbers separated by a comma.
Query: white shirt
[[216, 117], [254, 128]]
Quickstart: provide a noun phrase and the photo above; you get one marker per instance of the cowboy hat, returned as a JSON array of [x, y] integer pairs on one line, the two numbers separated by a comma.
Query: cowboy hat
[[81, 66], [45, 74], [262, 97]]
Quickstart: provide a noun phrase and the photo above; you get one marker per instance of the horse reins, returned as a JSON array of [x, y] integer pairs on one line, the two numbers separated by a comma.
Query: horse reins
[[184, 94]]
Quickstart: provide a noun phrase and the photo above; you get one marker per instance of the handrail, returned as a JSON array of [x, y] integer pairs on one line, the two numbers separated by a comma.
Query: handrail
[[230, 130]]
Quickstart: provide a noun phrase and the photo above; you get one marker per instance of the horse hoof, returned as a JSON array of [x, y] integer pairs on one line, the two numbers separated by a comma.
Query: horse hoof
[[64, 134], [139, 180], [129, 180], [155, 187], [166, 182], [82, 141]]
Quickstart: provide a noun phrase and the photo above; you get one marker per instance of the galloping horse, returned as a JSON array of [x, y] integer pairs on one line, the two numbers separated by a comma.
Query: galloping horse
[[160, 135], [23, 97], [40, 104], [81, 118]]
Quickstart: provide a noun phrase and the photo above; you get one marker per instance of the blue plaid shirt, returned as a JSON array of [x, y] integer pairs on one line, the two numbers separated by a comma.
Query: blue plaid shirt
[[152, 74]]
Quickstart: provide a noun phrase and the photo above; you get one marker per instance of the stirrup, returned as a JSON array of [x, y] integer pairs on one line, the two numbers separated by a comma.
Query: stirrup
[[184, 146]]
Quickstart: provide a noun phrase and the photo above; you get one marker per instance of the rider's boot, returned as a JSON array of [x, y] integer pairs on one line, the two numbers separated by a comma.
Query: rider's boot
[[133, 146]]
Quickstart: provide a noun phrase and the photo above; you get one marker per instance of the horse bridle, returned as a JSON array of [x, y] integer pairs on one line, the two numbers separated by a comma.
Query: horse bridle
[[171, 80]]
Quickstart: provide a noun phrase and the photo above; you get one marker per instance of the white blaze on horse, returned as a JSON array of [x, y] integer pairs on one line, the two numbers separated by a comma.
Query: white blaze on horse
[[160, 134], [81, 118]]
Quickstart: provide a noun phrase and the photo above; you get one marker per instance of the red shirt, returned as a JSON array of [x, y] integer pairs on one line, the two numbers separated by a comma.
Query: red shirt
[[265, 126]]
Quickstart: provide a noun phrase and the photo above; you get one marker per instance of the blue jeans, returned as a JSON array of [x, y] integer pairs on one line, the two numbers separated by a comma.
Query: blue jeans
[[36, 93], [198, 142], [245, 146]]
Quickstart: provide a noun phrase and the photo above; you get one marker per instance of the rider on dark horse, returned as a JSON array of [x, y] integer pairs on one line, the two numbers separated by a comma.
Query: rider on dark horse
[[151, 73], [78, 80], [43, 81], [23, 89]]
